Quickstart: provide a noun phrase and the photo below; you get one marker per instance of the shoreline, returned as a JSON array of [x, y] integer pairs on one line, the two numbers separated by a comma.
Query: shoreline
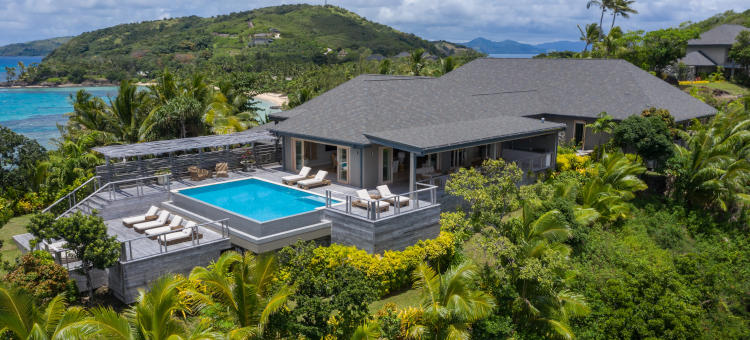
[[276, 99], [68, 85]]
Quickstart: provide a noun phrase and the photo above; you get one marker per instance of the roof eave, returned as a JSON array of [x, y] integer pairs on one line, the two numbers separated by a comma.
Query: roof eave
[[421, 151]]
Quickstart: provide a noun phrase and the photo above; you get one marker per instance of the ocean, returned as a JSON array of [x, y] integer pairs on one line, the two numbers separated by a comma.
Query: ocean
[[13, 62], [35, 112]]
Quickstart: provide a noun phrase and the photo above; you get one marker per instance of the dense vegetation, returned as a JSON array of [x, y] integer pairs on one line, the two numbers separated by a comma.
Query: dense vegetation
[[309, 36], [33, 48]]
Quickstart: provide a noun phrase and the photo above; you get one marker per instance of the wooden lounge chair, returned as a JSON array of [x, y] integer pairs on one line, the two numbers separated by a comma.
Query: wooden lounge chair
[[203, 174], [184, 235], [365, 202], [318, 181], [193, 172], [174, 224], [385, 193], [150, 215], [304, 173], [222, 169], [160, 221]]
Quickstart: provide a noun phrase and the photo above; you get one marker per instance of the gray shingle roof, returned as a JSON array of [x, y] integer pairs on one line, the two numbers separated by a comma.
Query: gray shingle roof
[[501, 90], [720, 35], [434, 137], [697, 58]]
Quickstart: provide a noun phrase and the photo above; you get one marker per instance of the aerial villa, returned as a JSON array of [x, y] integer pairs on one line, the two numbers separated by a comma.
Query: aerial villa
[[363, 164]]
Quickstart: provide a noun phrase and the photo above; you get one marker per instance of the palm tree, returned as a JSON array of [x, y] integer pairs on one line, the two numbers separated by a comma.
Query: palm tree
[[21, 317], [604, 124], [89, 112], [367, 331], [621, 8], [590, 35], [416, 62], [615, 184], [242, 284], [449, 304], [231, 110], [603, 5], [153, 317], [713, 169], [125, 113]]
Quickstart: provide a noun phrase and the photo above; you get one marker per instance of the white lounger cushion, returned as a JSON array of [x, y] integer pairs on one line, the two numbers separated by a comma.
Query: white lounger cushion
[[174, 224], [303, 173], [385, 192], [319, 177], [160, 221], [177, 235], [364, 197], [142, 218]]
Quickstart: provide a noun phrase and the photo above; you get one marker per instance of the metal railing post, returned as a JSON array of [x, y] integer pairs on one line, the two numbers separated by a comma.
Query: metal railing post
[[397, 206], [123, 254]]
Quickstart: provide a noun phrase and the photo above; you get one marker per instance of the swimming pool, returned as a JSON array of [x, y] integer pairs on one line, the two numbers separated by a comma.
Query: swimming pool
[[257, 199]]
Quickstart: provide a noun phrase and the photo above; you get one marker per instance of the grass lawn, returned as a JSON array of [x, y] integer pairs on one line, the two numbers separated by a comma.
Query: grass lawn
[[732, 88], [404, 299], [15, 226]]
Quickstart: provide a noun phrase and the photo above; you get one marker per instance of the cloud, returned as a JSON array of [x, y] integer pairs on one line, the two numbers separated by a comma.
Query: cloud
[[455, 20]]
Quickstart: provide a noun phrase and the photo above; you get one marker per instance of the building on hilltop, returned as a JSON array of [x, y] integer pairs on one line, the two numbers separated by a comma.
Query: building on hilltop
[[711, 49]]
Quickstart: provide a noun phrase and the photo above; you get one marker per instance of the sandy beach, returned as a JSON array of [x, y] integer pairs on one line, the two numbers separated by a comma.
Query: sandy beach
[[277, 99]]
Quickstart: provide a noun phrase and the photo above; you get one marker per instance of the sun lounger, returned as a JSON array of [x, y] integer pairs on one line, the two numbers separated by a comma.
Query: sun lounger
[[385, 193], [175, 223], [304, 173], [318, 181], [222, 170], [159, 222], [365, 201], [150, 215], [184, 235]]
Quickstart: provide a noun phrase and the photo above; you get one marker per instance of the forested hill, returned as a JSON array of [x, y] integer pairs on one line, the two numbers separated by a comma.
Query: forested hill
[[728, 17], [33, 48], [306, 34]]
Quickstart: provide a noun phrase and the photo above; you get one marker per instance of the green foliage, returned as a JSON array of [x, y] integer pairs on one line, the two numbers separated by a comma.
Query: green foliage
[[86, 236], [490, 190], [38, 274], [241, 284], [712, 171], [18, 158], [450, 304], [740, 51], [6, 211], [649, 137], [36, 47]]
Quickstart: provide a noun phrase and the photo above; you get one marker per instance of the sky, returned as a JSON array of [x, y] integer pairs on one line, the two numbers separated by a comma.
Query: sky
[[453, 20]]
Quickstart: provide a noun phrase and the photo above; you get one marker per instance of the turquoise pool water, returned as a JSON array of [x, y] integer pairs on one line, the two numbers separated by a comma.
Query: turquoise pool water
[[257, 199]]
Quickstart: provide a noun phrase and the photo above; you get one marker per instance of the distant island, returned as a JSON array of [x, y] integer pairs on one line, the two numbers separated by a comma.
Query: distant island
[[514, 47], [33, 48]]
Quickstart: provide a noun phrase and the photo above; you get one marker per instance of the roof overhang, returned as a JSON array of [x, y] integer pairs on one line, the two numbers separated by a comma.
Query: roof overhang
[[318, 139]]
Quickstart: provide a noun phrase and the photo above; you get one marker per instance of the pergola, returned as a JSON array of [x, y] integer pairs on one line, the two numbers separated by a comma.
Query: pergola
[[169, 147]]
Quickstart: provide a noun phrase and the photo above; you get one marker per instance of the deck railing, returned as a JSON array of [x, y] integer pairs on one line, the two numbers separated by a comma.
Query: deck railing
[[91, 185], [109, 192], [126, 247], [424, 196]]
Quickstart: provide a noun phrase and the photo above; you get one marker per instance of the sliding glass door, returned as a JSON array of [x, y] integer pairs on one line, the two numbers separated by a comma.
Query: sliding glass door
[[385, 161], [343, 164], [299, 153]]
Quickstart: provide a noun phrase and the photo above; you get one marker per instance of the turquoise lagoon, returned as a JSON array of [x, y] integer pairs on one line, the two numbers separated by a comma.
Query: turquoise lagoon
[[35, 112]]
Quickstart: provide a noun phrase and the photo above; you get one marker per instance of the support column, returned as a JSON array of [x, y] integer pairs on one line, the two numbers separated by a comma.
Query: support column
[[108, 164], [412, 175]]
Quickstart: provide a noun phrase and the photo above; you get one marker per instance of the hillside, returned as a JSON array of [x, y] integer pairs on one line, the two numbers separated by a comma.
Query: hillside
[[306, 34], [728, 17], [514, 47], [33, 48]]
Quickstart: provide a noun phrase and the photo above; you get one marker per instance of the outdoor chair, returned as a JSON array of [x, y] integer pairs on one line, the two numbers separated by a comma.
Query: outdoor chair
[[385, 192], [160, 221], [222, 169], [318, 181], [304, 173], [174, 224], [186, 234], [365, 200], [150, 215]]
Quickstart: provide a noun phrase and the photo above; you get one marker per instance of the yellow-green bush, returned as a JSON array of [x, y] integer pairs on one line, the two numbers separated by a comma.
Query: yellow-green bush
[[570, 161], [393, 269]]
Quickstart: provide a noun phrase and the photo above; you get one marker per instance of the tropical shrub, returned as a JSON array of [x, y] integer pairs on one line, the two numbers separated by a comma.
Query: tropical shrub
[[391, 270], [38, 274], [571, 161], [6, 211], [649, 137]]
